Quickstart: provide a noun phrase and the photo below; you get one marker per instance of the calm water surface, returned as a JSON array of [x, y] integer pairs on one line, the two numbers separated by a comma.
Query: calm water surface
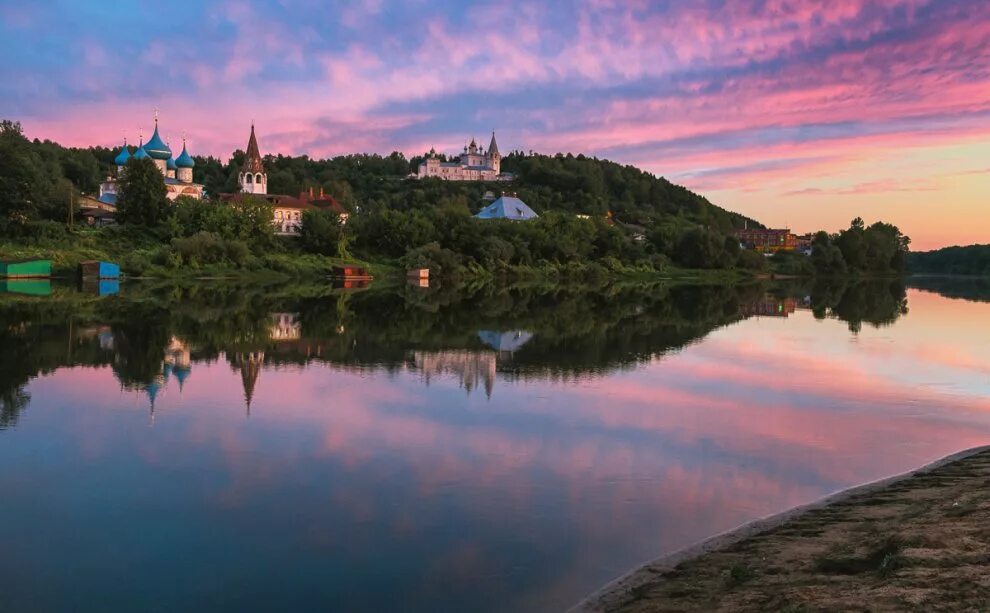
[[304, 449]]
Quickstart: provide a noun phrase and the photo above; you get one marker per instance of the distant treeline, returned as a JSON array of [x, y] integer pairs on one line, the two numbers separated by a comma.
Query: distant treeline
[[969, 260]]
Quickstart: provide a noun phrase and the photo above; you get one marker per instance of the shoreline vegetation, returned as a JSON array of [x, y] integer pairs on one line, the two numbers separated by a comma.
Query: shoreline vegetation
[[597, 219], [915, 541]]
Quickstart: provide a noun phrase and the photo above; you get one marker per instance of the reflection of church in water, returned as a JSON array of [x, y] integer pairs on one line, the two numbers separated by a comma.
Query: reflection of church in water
[[473, 368], [177, 364], [177, 360]]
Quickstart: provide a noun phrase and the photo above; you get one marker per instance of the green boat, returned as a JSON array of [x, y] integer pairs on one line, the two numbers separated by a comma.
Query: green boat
[[26, 269]]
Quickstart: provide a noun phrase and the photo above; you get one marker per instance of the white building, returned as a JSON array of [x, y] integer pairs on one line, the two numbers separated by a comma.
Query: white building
[[475, 164], [177, 173]]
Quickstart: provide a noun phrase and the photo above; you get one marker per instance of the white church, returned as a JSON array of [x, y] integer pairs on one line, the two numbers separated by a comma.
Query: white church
[[475, 164], [177, 173]]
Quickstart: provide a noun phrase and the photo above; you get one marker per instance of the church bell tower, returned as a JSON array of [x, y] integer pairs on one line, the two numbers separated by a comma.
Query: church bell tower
[[253, 178], [494, 156]]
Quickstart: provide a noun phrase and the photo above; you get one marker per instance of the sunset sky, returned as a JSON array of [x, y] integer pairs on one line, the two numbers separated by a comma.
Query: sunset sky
[[797, 112]]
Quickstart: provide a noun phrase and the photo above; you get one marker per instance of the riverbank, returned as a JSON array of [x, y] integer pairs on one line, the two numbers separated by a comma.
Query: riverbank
[[143, 253], [915, 541]]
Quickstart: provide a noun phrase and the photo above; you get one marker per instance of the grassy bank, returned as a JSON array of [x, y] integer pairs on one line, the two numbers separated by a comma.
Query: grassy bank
[[144, 253], [920, 542]]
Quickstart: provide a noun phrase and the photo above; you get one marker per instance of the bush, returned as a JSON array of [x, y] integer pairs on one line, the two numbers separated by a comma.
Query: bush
[[237, 252], [135, 263], [45, 231], [204, 248], [248, 221], [441, 262], [751, 260], [790, 263]]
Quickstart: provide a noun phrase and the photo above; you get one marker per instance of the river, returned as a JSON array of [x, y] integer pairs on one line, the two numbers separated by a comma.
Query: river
[[307, 448]]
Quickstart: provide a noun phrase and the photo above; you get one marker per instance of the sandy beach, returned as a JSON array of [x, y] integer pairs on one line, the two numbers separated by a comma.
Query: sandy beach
[[916, 541]]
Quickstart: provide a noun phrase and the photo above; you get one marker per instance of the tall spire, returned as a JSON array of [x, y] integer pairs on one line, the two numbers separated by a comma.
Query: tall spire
[[493, 146], [249, 364], [252, 162]]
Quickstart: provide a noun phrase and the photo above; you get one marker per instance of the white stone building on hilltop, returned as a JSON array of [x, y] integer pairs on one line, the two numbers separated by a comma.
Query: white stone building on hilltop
[[474, 164], [177, 173]]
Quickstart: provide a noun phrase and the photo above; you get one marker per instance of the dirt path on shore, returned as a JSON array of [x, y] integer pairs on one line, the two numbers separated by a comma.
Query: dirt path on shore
[[918, 542]]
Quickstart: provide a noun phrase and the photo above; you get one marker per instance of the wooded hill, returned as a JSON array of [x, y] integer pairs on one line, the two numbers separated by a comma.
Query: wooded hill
[[561, 182], [968, 260]]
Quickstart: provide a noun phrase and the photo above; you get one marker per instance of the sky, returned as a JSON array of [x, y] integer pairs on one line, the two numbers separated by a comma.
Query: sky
[[800, 113]]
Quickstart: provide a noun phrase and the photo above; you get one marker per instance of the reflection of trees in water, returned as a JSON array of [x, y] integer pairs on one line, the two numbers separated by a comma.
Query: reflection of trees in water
[[12, 402], [575, 331], [878, 302], [976, 289], [141, 334]]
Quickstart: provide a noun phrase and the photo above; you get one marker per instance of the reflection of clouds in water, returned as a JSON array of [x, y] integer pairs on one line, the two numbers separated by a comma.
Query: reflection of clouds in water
[[540, 493]]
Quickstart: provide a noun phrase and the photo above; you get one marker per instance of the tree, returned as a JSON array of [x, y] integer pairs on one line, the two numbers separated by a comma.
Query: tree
[[321, 232], [826, 258], [24, 187], [141, 194], [703, 248]]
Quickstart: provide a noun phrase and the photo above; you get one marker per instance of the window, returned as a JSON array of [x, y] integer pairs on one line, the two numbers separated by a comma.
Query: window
[[248, 178], [257, 178]]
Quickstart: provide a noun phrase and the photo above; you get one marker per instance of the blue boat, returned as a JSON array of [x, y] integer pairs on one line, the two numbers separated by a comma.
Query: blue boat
[[99, 270]]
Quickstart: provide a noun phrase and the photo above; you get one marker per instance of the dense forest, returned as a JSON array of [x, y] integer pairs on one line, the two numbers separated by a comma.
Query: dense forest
[[969, 260]]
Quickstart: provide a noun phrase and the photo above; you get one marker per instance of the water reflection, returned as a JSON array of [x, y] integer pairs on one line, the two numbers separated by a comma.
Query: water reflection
[[154, 331], [316, 448]]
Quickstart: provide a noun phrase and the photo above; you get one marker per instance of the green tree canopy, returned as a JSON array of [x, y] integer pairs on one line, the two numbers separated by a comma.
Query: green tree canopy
[[141, 194]]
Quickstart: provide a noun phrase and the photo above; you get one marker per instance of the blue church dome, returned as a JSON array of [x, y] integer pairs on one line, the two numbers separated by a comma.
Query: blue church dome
[[170, 164], [156, 147], [140, 154], [123, 156], [184, 160]]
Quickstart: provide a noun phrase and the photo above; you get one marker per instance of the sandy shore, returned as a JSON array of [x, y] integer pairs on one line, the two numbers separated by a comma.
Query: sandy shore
[[919, 541]]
